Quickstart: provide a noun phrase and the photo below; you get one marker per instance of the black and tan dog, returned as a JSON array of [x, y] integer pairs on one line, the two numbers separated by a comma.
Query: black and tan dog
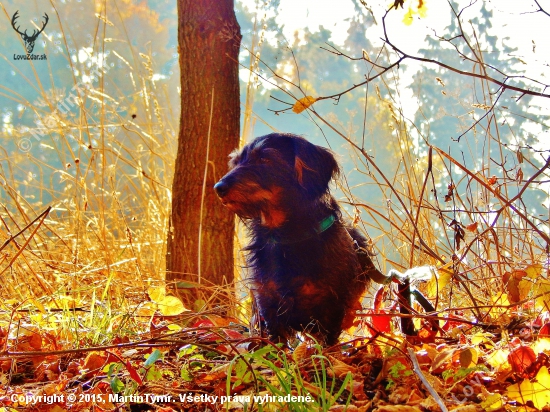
[[309, 268]]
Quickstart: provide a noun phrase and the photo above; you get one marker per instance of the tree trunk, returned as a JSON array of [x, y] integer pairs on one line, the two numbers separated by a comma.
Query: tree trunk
[[209, 39]]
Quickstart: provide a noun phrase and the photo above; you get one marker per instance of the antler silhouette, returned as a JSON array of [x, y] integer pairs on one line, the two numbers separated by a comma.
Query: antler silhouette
[[29, 40]]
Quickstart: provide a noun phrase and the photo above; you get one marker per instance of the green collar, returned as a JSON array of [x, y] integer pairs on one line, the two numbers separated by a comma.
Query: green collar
[[324, 225]]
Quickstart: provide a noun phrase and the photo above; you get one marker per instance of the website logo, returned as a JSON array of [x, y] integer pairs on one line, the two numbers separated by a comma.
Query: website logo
[[28, 39]]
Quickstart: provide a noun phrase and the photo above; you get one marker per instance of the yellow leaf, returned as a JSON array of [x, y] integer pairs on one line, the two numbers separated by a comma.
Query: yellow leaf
[[435, 285], [66, 302], [303, 104], [171, 306], [542, 287], [499, 359], [157, 294], [536, 391], [500, 301], [541, 345], [422, 9], [408, 19], [533, 271], [147, 309], [38, 305], [492, 403], [481, 338]]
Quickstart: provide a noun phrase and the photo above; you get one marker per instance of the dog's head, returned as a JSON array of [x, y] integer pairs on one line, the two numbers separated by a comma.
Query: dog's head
[[275, 174]]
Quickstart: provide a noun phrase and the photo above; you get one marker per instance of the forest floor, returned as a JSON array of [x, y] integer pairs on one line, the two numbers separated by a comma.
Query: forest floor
[[160, 356]]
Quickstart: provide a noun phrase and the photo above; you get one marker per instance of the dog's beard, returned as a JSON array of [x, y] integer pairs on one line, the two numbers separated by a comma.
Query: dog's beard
[[242, 209]]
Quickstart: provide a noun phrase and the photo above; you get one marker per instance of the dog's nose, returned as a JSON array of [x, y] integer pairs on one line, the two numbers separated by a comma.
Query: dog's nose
[[221, 188]]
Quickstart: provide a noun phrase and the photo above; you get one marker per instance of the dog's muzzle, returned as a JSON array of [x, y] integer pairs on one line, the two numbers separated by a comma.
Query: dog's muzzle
[[221, 188]]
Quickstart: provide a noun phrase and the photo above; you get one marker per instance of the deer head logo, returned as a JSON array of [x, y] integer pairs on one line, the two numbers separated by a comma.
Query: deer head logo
[[29, 40]]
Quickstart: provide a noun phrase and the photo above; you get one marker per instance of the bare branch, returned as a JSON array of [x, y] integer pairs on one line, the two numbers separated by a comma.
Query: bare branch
[[541, 9], [486, 77]]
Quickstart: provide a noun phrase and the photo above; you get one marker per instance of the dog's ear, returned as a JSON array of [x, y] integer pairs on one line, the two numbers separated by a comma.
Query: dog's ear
[[315, 166]]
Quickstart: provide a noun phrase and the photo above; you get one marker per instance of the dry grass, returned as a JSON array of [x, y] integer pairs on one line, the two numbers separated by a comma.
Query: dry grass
[[99, 155], [105, 168]]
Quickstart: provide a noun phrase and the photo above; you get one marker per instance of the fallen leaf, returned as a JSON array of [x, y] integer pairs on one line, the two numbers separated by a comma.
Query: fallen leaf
[[498, 359], [442, 358], [300, 353], [468, 358], [94, 362], [171, 306], [134, 373], [521, 358], [492, 403], [157, 294], [517, 287], [536, 391], [545, 330]]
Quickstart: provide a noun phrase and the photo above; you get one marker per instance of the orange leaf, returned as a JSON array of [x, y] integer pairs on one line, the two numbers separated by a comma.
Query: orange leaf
[[517, 288], [300, 353], [468, 358], [303, 104], [472, 227], [94, 362]]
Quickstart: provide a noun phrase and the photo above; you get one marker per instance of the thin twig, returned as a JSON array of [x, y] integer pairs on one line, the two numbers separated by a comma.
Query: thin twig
[[203, 194], [416, 368]]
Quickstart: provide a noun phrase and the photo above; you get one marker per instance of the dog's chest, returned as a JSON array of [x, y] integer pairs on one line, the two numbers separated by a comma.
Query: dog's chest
[[283, 263]]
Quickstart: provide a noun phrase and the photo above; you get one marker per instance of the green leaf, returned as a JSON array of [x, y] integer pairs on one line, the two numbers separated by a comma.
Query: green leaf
[[117, 385], [152, 358], [187, 350], [186, 374], [153, 374]]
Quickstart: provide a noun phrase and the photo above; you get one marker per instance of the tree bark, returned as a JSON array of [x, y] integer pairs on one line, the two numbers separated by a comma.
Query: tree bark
[[209, 39]]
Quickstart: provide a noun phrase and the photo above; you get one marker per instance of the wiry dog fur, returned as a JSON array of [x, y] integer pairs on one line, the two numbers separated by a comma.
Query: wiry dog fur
[[309, 268]]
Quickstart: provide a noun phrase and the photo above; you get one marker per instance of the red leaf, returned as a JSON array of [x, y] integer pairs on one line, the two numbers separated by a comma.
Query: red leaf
[[206, 323], [545, 330], [382, 322], [521, 358], [133, 373], [233, 334], [378, 298]]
